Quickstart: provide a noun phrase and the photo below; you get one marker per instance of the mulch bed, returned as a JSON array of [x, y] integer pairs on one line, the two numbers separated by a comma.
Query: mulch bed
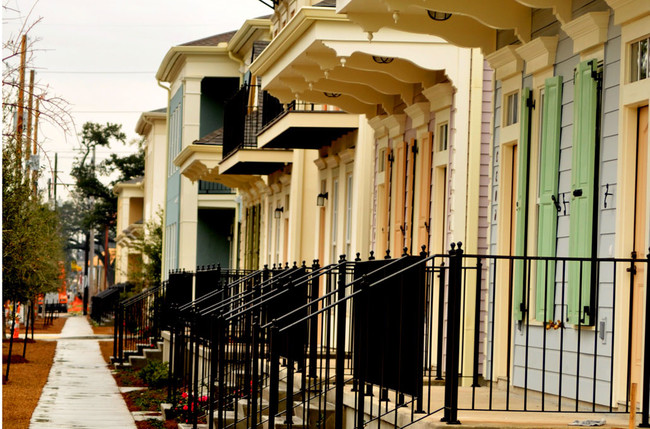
[[142, 400], [26, 381], [106, 347], [41, 328]]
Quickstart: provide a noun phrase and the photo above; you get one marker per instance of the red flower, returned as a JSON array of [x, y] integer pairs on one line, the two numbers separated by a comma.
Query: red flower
[[185, 407], [184, 395]]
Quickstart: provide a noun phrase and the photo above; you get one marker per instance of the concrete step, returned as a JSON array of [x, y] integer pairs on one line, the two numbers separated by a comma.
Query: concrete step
[[153, 354], [242, 407], [319, 413], [280, 423], [138, 362], [229, 420]]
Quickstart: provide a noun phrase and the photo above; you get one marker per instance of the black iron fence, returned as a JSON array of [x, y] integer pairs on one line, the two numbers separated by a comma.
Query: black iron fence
[[104, 303], [394, 341]]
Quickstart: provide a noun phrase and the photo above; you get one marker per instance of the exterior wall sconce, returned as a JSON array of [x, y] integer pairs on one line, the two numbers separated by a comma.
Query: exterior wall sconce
[[438, 16], [278, 212], [320, 199]]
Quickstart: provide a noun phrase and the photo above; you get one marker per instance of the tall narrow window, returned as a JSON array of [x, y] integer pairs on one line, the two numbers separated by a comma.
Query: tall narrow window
[[639, 60], [348, 217], [512, 108], [335, 218], [443, 137], [381, 160], [269, 231], [278, 223]]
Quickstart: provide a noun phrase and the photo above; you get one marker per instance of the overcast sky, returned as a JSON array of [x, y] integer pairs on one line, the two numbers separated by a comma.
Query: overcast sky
[[101, 57]]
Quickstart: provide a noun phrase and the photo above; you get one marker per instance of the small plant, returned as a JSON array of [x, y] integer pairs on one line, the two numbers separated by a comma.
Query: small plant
[[155, 374], [185, 407]]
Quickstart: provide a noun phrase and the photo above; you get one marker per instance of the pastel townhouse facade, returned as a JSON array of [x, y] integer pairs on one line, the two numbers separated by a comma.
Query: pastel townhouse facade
[[569, 177], [199, 215], [140, 201], [408, 166], [130, 228]]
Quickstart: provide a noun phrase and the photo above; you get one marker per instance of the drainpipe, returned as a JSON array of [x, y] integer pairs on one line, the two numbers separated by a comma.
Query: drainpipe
[[242, 66], [164, 220]]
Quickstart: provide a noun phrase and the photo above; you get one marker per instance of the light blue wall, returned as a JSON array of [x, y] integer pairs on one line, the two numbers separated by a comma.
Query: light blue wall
[[595, 355]]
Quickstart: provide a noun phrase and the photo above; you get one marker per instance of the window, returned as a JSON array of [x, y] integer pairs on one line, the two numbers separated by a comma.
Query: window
[[277, 237], [171, 243], [335, 216], [443, 137], [175, 127], [512, 108], [269, 231], [348, 218], [381, 160], [639, 60]]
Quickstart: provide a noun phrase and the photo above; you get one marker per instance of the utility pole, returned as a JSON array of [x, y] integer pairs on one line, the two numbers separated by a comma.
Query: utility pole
[[21, 101], [56, 172], [30, 103], [35, 142]]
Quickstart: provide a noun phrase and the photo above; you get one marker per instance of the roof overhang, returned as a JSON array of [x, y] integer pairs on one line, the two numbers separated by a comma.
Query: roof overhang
[[320, 54], [306, 129], [255, 161], [251, 31], [471, 24], [129, 189], [199, 161], [146, 119], [176, 56]]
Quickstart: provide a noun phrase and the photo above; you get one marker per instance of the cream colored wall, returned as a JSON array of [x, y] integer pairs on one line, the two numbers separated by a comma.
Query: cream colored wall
[[304, 189], [155, 169], [632, 96]]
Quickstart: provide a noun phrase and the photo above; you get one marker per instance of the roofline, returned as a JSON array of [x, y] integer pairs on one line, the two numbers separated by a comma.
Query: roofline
[[246, 32], [297, 26], [141, 125], [177, 53], [123, 185]]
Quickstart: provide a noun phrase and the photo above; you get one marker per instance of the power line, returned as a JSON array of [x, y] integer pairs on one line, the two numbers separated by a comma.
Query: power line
[[93, 72]]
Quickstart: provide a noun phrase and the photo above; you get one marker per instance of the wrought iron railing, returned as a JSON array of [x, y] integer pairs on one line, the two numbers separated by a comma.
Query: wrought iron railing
[[214, 188], [394, 341], [103, 304]]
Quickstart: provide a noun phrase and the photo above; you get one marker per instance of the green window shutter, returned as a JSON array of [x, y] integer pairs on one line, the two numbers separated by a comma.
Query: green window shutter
[[520, 275], [583, 170], [548, 184]]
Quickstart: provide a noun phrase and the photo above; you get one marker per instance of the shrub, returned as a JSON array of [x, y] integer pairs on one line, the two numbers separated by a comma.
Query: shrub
[[155, 374]]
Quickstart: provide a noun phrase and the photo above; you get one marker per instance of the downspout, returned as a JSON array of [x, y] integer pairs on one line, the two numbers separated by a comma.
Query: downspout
[[164, 225], [242, 66]]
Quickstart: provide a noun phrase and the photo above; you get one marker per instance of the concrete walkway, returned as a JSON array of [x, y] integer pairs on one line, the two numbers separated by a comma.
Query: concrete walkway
[[80, 391]]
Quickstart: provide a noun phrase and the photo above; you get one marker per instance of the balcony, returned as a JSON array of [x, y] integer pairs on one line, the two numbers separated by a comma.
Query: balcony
[[306, 126], [244, 116]]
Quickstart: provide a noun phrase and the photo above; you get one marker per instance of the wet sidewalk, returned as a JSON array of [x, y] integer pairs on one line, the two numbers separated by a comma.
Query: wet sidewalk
[[80, 391]]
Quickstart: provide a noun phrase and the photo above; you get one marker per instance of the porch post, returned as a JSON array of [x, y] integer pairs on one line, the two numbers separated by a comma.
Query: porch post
[[453, 335], [645, 406]]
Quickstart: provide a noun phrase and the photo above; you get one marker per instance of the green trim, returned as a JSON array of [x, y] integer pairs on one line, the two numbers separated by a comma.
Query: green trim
[[519, 301], [548, 185], [582, 182]]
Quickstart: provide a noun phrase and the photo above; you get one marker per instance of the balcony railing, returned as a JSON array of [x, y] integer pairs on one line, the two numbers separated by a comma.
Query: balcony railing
[[243, 119], [214, 188]]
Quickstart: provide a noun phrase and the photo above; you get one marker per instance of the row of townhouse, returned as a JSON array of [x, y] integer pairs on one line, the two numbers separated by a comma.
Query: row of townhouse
[[359, 127]]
